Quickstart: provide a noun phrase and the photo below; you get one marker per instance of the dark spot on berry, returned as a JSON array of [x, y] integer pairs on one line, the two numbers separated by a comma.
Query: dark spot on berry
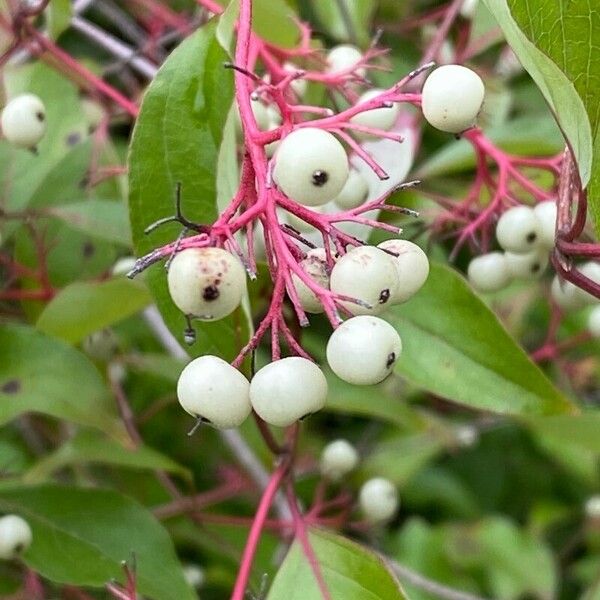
[[19, 548], [531, 237], [11, 387], [73, 139], [320, 178], [384, 296], [536, 267], [88, 249], [210, 293], [40, 116], [391, 359]]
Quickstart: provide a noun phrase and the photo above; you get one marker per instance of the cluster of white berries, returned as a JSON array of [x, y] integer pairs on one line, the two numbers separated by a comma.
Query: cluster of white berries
[[281, 393], [377, 498], [372, 278], [15, 536], [526, 235], [311, 167], [208, 283], [24, 121]]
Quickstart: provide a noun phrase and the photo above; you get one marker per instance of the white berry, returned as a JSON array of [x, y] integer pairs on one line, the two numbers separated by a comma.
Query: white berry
[[261, 112], [344, 59], [519, 230], [15, 536], [123, 266], [24, 121], [207, 283], [566, 295], [467, 436], [527, 266], [363, 350], [377, 118], [338, 459], [489, 272], [93, 112], [194, 575], [452, 97], [546, 212], [287, 390], [412, 266], [354, 193], [367, 274], [592, 507], [210, 389], [593, 323], [319, 253], [467, 10], [378, 499], [311, 166], [591, 270], [316, 269]]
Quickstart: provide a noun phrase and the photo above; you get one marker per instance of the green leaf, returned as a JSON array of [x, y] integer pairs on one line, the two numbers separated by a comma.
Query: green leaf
[[423, 548], [355, 26], [177, 139], [351, 572], [102, 219], [455, 347], [80, 537], [44, 375], [568, 33], [90, 447], [272, 20], [82, 308], [228, 173], [404, 456], [160, 365], [385, 401], [554, 41], [58, 17], [579, 431], [516, 562]]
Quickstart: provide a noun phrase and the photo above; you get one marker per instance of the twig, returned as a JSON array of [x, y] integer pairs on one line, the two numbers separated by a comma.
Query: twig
[[428, 585], [114, 46]]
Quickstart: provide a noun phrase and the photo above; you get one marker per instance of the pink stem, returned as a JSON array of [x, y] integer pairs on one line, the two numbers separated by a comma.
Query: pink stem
[[241, 583]]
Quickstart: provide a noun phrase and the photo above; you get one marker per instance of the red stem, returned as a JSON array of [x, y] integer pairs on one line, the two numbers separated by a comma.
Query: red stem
[[241, 583]]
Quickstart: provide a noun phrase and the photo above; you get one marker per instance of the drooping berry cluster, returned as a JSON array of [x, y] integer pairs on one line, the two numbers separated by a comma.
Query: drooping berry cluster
[[307, 190]]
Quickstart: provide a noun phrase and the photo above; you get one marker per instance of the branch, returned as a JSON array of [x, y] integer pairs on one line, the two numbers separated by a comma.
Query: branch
[[432, 587], [114, 46]]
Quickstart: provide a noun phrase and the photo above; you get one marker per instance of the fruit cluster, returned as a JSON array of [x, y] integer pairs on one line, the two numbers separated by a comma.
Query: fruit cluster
[[526, 235], [313, 182], [377, 497]]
